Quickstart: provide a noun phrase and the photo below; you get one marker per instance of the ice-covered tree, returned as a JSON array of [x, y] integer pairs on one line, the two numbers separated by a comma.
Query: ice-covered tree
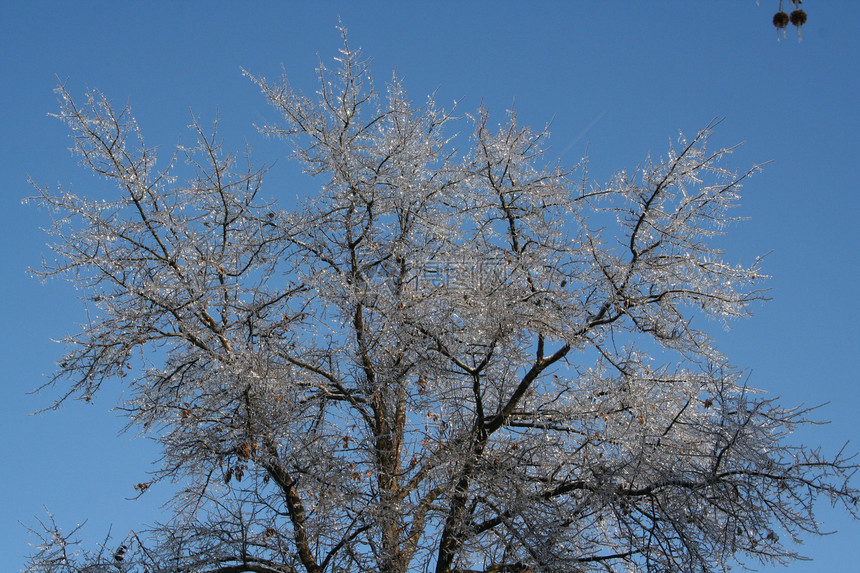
[[445, 360]]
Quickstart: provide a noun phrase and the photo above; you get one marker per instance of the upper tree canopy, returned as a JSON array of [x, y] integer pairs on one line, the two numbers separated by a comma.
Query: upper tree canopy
[[449, 360]]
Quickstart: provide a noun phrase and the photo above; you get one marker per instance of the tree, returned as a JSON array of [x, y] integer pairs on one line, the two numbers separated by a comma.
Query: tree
[[444, 361]]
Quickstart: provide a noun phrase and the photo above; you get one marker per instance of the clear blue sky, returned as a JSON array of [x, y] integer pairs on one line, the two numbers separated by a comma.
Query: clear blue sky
[[619, 78]]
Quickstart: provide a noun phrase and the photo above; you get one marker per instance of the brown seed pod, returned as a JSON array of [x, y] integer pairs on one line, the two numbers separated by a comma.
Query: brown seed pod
[[798, 18], [780, 19]]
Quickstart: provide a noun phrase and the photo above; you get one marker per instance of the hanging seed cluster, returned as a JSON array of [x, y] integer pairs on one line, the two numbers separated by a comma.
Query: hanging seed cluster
[[782, 18]]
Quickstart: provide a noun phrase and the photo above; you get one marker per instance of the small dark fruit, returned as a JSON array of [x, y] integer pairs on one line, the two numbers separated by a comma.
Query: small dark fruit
[[798, 18], [780, 19]]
